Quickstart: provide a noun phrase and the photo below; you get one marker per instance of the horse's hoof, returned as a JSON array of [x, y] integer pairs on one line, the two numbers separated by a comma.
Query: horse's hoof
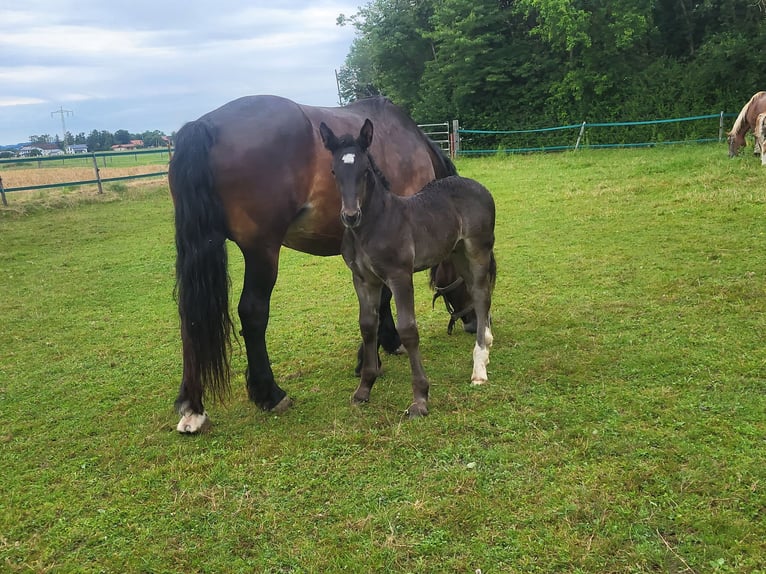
[[478, 381], [282, 406], [193, 423], [357, 399], [416, 411]]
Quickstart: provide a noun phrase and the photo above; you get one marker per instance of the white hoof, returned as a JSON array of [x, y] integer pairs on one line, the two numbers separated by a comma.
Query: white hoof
[[192, 423], [480, 362]]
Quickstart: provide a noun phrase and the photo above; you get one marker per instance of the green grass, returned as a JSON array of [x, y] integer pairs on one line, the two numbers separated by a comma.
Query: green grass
[[623, 428]]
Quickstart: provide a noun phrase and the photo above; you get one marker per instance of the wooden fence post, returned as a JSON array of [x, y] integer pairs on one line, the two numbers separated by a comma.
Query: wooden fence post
[[579, 137], [98, 177], [456, 138], [720, 129], [2, 192]]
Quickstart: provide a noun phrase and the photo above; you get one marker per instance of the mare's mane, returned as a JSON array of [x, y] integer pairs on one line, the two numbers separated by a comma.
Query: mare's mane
[[737, 127], [739, 123]]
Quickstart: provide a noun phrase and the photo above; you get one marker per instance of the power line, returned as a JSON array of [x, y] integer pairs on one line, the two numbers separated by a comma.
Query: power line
[[63, 113]]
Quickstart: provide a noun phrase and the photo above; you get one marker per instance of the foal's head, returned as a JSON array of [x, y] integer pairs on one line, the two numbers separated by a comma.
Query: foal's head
[[353, 169]]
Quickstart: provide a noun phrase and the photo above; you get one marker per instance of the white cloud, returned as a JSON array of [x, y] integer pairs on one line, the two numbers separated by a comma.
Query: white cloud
[[145, 64], [19, 101]]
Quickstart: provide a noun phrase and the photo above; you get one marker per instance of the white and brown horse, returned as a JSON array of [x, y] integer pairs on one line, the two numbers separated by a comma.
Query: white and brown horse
[[760, 135], [745, 122]]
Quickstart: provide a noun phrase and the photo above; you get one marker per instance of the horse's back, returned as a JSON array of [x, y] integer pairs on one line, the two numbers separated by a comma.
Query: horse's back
[[464, 194], [755, 106], [273, 174]]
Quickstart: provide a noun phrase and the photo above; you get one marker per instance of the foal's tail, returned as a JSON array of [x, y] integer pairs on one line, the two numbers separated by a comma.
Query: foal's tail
[[202, 279]]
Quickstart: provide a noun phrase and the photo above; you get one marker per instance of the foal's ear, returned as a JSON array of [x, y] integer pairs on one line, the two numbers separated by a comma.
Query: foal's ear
[[365, 135], [328, 137]]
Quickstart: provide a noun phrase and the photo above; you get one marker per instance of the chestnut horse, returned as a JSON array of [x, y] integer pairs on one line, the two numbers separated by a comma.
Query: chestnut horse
[[255, 172], [745, 122]]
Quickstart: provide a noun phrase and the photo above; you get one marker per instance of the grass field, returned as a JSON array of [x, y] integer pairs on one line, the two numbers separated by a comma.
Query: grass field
[[623, 428]]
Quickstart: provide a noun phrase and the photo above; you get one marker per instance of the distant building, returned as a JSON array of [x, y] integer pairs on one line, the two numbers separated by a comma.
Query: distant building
[[44, 149], [128, 146], [77, 148]]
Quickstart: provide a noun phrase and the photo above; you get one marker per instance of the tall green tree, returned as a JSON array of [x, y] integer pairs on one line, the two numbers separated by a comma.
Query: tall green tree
[[512, 64], [391, 49]]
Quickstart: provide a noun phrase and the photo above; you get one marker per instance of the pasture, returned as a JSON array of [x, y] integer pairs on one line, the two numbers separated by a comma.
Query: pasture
[[623, 428]]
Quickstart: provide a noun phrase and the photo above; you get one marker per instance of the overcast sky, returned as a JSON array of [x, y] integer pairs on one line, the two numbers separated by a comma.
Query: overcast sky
[[154, 64]]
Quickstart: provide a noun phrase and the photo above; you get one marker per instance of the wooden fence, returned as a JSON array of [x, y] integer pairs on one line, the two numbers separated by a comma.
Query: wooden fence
[[96, 158]]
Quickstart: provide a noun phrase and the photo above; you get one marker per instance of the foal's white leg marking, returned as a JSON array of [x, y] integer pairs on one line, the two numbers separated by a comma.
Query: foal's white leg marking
[[480, 362], [488, 338], [191, 422]]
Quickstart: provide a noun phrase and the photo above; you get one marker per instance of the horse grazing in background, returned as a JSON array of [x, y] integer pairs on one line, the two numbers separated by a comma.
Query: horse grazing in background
[[745, 122], [760, 135], [254, 171], [388, 238]]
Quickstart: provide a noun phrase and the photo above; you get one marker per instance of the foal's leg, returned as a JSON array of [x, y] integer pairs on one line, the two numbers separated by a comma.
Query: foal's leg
[[368, 295], [404, 295], [388, 338], [260, 277], [480, 288]]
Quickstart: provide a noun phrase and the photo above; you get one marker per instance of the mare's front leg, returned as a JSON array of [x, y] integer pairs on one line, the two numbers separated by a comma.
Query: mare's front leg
[[404, 296], [260, 277], [368, 293]]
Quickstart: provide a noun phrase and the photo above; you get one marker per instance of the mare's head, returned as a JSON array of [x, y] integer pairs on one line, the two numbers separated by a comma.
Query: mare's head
[[353, 169], [736, 141]]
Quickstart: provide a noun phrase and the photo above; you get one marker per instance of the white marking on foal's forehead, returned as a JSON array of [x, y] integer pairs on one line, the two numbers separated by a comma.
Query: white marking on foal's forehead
[[348, 158]]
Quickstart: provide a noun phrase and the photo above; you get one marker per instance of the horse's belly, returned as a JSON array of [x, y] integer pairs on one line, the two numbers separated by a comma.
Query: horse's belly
[[315, 233]]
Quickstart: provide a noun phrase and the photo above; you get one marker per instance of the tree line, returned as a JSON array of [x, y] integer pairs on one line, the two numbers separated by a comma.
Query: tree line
[[101, 140], [519, 64]]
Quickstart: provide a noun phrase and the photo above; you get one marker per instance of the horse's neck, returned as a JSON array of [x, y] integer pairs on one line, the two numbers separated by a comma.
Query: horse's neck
[[379, 199]]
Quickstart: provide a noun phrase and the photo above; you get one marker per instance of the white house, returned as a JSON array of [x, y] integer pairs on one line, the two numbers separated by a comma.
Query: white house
[[77, 148]]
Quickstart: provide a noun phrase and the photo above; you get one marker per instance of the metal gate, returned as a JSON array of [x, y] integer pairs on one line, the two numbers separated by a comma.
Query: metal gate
[[439, 134]]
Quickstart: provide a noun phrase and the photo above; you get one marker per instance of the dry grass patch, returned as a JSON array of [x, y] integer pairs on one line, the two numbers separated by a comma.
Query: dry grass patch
[[48, 175]]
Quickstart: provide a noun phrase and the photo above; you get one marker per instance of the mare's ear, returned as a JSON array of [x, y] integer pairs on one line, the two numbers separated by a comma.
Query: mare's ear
[[328, 137], [365, 135]]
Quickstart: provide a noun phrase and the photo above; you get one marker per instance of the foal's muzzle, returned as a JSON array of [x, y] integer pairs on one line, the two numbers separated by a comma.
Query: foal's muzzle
[[351, 219]]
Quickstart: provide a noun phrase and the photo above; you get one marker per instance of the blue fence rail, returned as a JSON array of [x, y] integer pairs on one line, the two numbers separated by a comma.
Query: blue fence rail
[[95, 158], [584, 135]]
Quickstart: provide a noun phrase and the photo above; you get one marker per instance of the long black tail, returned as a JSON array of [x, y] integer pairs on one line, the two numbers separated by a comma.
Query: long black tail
[[202, 278]]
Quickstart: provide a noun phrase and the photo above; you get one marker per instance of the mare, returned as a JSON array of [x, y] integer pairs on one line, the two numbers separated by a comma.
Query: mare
[[389, 237], [760, 135], [255, 172], [745, 122]]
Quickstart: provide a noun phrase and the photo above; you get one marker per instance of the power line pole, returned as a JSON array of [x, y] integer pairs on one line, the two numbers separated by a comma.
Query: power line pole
[[63, 113]]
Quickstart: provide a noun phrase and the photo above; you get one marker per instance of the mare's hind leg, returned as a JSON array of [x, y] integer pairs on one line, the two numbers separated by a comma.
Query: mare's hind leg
[[194, 418], [404, 295], [260, 277], [368, 295]]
